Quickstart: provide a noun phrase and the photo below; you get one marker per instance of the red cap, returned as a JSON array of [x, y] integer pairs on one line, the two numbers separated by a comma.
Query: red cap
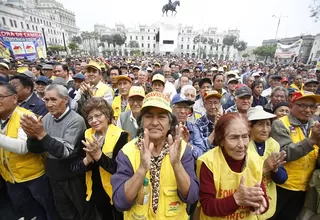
[[239, 85], [284, 79], [299, 95]]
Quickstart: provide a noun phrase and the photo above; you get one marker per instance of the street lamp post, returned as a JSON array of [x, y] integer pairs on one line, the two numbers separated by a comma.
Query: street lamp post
[[279, 20]]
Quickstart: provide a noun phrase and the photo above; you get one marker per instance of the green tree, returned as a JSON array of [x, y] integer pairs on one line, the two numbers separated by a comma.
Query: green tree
[[133, 44], [119, 39], [228, 41], [203, 39], [245, 55], [55, 48], [76, 39], [315, 10], [73, 46], [265, 51], [240, 45]]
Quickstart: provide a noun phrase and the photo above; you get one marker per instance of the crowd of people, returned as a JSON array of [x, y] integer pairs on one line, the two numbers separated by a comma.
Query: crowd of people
[[158, 138]]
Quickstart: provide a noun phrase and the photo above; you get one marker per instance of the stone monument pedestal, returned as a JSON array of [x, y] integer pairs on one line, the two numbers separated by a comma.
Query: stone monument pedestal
[[168, 35]]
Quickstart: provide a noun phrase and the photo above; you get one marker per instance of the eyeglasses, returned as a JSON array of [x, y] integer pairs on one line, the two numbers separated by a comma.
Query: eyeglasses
[[5, 96], [96, 116], [137, 100], [182, 107], [306, 106]]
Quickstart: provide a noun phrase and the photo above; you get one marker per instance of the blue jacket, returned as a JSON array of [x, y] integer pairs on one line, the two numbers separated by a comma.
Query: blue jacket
[[195, 140], [36, 105]]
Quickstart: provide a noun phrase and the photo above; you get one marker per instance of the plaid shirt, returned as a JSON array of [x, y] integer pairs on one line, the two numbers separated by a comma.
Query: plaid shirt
[[205, 126], [232, 109]]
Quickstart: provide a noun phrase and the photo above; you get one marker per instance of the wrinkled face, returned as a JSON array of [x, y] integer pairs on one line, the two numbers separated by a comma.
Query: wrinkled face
[[243, 103], [257, 90], [40, 87], [113, 74], [311, 87], [298, 80], [260, 130], [55, 104], [184, 81], [181, 110], [8, 101], [312, 75], [47, 73], [236, 140], [303, 109], [250, 81], [282, 111], [135, 103], [218, 82], [279, 96], [167, 73], [212, 106], [59, 72], [205, 88], [124, 86], [93, 75], [156, 120], [97, 120], [189, 94], [157, 86], [142, 77]]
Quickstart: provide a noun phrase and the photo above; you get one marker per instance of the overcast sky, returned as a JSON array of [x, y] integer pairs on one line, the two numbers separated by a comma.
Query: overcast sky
[[252, 17]]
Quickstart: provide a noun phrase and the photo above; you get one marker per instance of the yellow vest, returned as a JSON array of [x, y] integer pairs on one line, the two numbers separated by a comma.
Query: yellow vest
[[270, 146], [19, 168], [112, 137], [169, 206], [226, 181], [116, 106], [296, 87], [103, 89], [299, 171]]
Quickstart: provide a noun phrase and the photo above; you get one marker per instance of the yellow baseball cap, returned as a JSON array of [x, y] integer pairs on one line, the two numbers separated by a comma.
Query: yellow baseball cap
[[22, 69], [158, 100], [4, 65], [214, 93], [136, 91], [120, 77], [93, 64], [158, 77]]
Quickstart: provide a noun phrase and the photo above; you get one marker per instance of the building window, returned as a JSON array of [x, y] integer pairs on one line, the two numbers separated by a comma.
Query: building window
[[49, 23], [11, 23], [142, 45], [181, 38], [125, 45], [194, 47], [130, 37], [189, 31], [28, 27], [22, 25], [211, 48], [181, 47], [154, 37], [32, 27], [141, 37], [15, 23], [136, 37], [217, 40], [188, 47], [142, 30], [38, 20], [148, 45], [36, 28], [188, 38], [148, 37], [154, 45], [148, 30], [30, 18], [4, 21]]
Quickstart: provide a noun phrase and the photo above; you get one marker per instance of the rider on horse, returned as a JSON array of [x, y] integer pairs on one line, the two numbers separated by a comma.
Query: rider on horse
[[170, 4]]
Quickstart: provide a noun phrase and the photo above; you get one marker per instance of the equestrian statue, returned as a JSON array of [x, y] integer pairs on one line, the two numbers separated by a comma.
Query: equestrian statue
[[170, 7]]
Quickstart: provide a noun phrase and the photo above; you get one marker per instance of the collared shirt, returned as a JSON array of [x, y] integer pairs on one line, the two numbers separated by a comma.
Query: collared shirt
[[232, 109], [132, 119], [206, 127], [26, 100], [61, 116], [199, 107]]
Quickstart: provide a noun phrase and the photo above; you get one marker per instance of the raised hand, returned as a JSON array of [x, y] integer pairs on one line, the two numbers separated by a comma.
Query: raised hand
[[146, 152], [93, 147], [249, 196], [274, 161], [175, 145], [32, 127]]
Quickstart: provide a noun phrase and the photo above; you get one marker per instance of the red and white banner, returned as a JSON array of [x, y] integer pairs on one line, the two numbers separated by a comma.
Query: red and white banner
[[288, 51]]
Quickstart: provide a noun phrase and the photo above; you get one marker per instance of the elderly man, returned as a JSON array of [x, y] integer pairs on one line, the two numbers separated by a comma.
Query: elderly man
[[311, 86], [227, 99], [299, 136], [297, 82], [278, 94], [143, 81], [181, 107], [26, 97], [62, 70], [158, 83], [120, 103], [275, 80], [58, 134], [128, 119], [27, 185], [207, 122], [47, 70], [243, 99], [95, 88]]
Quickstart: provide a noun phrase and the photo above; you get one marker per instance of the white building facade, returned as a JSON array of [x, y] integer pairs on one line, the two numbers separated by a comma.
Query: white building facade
[[315, 50], [29, 16]]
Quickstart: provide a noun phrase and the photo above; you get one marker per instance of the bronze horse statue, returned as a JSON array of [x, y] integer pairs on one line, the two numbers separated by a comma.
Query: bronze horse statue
[[170, 7]]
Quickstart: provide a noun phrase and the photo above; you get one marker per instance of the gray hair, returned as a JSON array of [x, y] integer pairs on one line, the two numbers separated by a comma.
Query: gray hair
[[279, 88], [188, 87], [61, 90]]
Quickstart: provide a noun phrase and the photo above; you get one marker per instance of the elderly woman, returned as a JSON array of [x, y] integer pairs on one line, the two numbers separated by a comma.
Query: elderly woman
[[190, 93], [103, 142], [281, 109], [268, 150], [159, 155], [230, 174]]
